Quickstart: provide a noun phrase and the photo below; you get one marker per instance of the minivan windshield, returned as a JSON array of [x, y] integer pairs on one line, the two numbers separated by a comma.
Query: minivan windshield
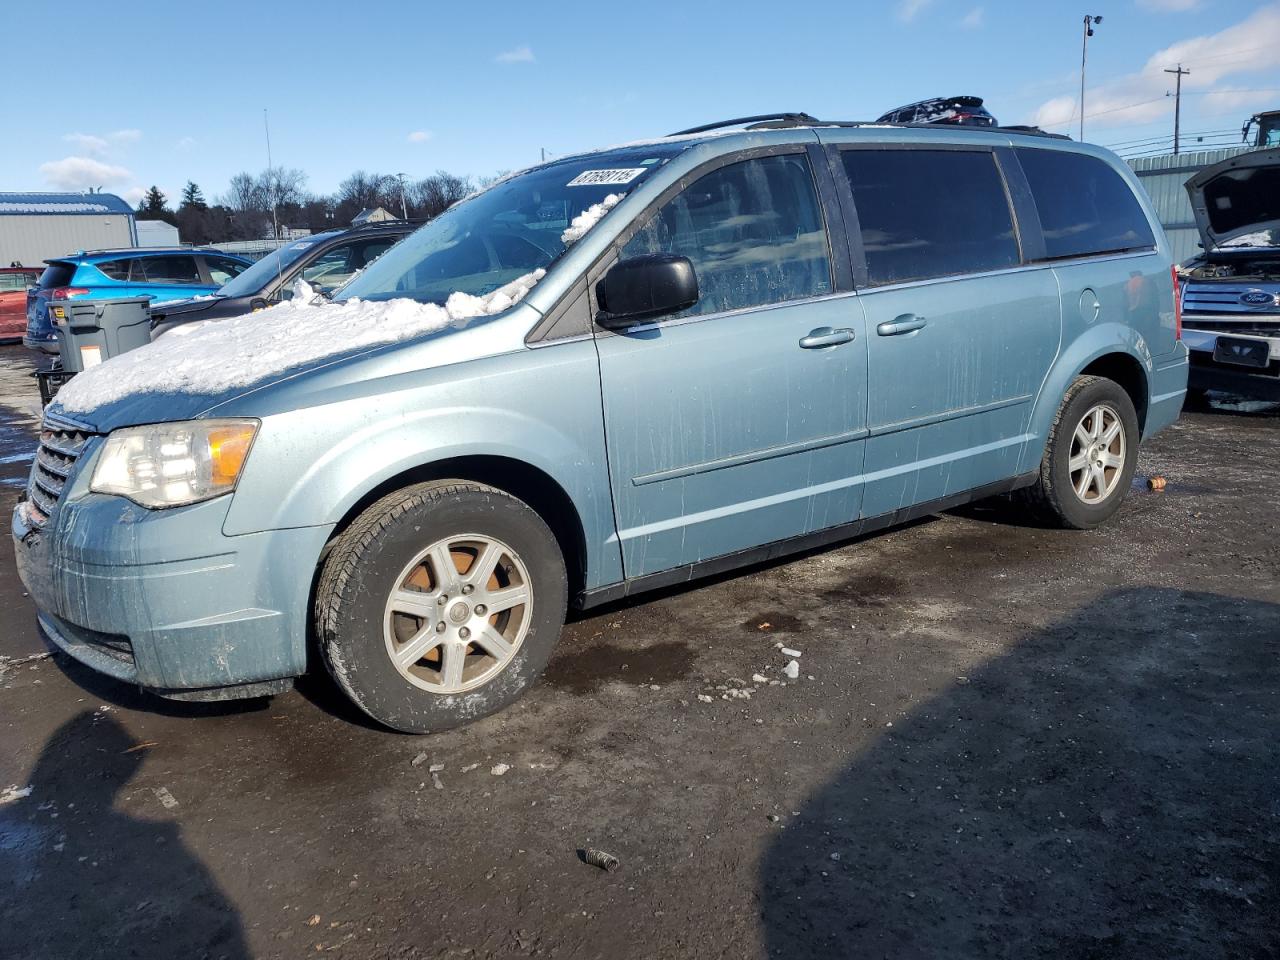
[[269, 267], [509, 230]]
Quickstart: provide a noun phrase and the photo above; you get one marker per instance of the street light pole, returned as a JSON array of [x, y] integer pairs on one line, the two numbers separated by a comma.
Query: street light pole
[[404, 207], [1089, 21]]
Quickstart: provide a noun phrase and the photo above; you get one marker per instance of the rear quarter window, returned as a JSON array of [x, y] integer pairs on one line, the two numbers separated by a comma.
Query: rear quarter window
[[57, 275], [115, 269], [1085, 207]]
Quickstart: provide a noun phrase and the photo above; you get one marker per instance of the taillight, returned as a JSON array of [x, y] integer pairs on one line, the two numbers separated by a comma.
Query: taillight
[[1177, 304], [66, 293]]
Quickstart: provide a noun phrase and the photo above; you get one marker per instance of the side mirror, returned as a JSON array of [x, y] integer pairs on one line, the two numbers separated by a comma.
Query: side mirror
[[647, 286]]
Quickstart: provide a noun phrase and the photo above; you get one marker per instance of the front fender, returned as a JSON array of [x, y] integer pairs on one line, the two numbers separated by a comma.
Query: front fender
[[310, 466], [1096, 342]]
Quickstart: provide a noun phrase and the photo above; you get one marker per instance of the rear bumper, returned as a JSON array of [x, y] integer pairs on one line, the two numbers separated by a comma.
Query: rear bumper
[[1208, 373], [44, 345], [1167, 391], [164, 600]]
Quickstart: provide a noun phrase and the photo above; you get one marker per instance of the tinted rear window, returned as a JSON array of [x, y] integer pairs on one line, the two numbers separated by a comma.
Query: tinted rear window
[[930, 213], [1085, 207], [57, 275]]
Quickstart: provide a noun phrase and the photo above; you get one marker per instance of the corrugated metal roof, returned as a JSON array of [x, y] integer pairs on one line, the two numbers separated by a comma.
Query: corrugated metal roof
[[62, 203]]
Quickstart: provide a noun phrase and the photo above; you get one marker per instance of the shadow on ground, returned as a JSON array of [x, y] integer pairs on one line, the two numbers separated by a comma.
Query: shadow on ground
[[81, 878], [1110, 788]]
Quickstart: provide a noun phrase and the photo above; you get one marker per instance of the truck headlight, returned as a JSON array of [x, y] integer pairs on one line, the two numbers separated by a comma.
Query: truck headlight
[[172, 464]]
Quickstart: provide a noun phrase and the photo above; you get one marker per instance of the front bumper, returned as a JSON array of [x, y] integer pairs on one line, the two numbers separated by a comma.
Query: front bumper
[[163, 599], [1208, 373]]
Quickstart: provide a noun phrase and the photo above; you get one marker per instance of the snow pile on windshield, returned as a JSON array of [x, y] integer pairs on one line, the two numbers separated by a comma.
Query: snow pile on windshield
[[588, 218], [213, 356]]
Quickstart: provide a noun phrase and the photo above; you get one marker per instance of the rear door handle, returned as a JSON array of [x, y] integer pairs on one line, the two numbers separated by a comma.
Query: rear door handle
[[826, 337], [900, 325]]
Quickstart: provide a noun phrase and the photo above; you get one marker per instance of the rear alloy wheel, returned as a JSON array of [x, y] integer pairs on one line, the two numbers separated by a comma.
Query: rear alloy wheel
[[1089, 458], [440, 604]]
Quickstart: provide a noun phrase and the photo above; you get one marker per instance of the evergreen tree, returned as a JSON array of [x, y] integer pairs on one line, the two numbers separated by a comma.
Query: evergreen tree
[[192, 197], [153, 204]]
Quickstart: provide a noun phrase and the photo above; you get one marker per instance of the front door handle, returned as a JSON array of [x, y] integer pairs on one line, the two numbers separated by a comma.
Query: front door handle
[[900, 325], [826, 337]]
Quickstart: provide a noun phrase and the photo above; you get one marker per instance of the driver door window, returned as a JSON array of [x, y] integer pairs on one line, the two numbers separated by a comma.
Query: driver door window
[[753, 231]]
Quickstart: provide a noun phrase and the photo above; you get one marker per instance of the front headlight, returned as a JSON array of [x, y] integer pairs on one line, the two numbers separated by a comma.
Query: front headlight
[[172, 464]]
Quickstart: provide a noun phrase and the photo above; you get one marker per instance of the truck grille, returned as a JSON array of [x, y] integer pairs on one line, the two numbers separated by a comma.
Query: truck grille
[[1225, 298], [52, 470]]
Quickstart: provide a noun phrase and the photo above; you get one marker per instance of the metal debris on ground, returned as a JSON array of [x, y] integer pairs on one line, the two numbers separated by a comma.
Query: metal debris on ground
[[788, 652], [792, 670], [599, 858], [167, 799], [419, 760], [1156, 483]]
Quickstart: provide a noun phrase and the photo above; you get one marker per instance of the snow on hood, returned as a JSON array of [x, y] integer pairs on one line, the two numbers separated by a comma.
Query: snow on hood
[[1237, 198], [213, 356]]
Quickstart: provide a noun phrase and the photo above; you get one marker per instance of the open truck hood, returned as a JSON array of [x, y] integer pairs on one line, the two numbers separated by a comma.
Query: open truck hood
[[1239, 196]]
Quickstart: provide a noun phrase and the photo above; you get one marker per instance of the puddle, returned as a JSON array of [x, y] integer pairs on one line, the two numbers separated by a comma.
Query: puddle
[[585, 670], [868, 590]]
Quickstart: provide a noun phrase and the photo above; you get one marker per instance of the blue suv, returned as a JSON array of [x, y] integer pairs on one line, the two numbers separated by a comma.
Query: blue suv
[[609, 373], [161, 274]]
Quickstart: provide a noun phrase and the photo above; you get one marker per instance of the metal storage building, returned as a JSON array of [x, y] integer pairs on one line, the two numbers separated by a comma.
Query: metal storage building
[[37, 226], [1163, 177]]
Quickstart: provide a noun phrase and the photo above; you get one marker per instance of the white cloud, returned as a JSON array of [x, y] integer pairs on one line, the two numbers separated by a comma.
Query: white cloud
[[87, 142], [125, 136], [1168, 6], [908, 10], [973, 19], [419, 136], [133, 195], [520, 54], [1248, 47], [80, 173], [185, 144]]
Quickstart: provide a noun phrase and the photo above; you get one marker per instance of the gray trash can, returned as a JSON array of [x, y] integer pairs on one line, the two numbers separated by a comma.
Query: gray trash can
[[94, 330]]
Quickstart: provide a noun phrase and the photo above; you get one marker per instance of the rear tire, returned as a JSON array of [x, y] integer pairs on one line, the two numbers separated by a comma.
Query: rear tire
[[1089, 459], [441, 604]]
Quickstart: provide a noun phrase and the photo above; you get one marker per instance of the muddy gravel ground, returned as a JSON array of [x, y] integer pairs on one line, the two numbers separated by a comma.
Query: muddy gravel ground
[[1004, 742]]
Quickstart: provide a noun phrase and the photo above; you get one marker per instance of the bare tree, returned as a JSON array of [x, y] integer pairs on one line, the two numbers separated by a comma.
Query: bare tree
[[435, 194]]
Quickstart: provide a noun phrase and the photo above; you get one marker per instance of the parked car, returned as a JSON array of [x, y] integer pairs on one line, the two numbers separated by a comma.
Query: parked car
[[325, 260], [957, 111], [161, 274], [1231, 292], [14, 282], [624, 370]]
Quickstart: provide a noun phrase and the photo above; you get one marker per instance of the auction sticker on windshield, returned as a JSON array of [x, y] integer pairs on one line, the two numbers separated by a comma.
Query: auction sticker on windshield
[[592, 178]]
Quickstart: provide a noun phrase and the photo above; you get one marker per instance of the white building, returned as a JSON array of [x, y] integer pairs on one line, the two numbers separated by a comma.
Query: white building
[[35, 227]]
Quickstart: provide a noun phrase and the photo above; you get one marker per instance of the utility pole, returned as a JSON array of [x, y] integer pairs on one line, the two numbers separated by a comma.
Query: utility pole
[[1177, 104], [1089, 21], [272, 183], [404, 207]]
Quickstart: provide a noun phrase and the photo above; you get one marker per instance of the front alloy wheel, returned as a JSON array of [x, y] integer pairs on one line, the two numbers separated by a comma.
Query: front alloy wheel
[[459, 612]]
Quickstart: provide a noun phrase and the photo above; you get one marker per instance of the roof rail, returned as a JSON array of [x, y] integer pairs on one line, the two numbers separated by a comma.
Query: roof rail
[[787, 119], [775, 121]]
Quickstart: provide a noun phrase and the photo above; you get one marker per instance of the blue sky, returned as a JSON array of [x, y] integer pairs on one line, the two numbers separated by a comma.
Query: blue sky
[[135, 93]]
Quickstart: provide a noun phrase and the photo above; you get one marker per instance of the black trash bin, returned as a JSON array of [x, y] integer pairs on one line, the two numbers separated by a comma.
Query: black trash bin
[[96, 330]]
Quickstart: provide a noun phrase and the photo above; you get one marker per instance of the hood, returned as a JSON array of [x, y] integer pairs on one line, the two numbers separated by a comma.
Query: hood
[[1239, 196], [196, 367]]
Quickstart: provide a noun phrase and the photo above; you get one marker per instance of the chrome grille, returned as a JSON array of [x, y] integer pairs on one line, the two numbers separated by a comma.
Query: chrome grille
[[1219, 297], [52, 470]]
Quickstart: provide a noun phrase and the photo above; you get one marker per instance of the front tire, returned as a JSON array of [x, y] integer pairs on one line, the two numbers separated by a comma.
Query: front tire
[[441, 604], [1090, 456]]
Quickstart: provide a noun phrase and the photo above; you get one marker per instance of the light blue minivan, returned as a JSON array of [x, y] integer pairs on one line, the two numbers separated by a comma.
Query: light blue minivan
[[608, 373]]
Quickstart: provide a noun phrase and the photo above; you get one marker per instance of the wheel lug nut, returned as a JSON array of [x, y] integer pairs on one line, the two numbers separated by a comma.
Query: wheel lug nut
[[480, 609], [440, 627], [464, 633], [444, 598], [468, 588]]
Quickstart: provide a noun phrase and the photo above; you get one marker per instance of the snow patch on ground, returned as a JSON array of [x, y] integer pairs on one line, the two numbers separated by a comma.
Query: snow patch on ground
[[216, 355], [588, 218], [15, 793]]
